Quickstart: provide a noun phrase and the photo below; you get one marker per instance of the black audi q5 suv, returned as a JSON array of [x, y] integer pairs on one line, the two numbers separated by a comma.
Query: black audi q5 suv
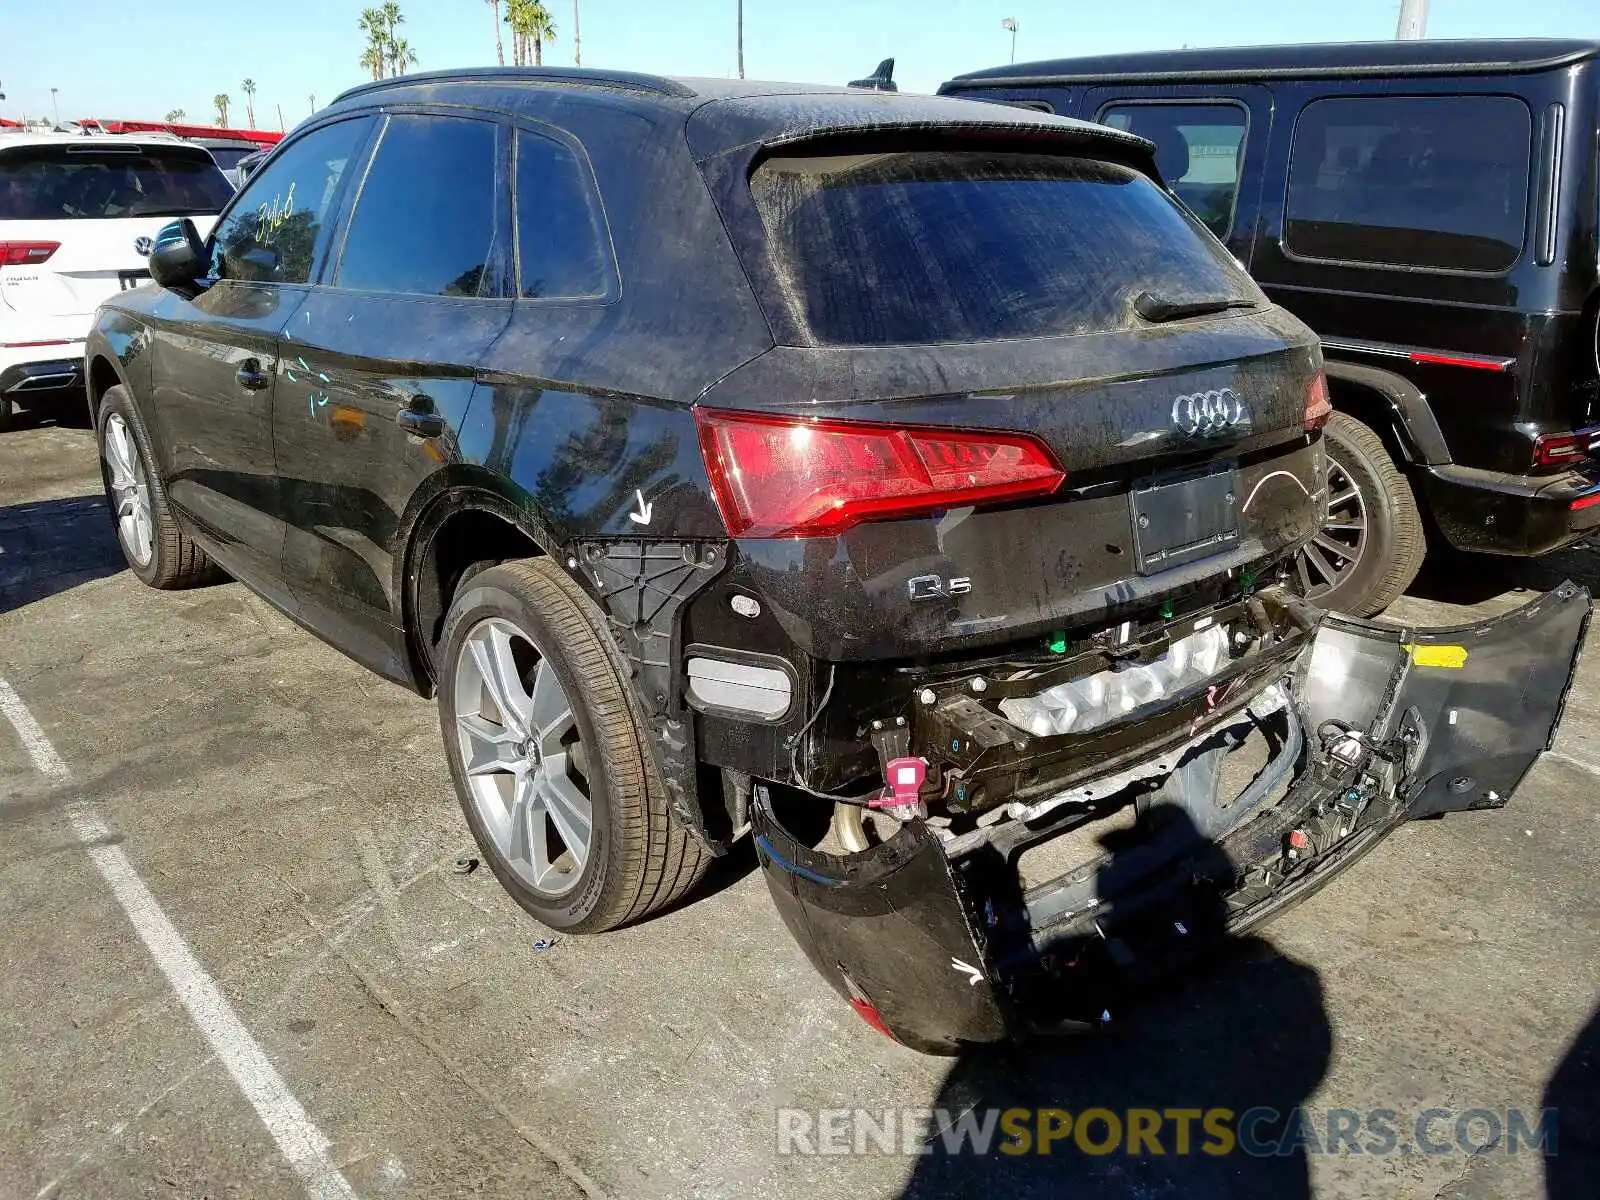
[[901, 482]]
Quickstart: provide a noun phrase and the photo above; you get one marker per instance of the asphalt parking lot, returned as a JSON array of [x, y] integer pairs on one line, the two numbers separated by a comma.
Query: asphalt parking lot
[[292, 820]]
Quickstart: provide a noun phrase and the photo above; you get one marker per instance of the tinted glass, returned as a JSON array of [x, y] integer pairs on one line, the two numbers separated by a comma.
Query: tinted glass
[[558, 238], [51, 183], [279, 229], [962, 246], [228, 159], [1199, 149], [1411, 181], [425, 221]]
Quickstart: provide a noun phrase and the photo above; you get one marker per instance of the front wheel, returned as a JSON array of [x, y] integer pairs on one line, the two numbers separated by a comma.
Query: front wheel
[[1371, 543], [156, 548], [549, 760]]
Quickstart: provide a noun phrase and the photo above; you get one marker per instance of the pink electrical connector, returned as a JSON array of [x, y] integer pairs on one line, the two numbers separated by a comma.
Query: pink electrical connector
[[905, 776]]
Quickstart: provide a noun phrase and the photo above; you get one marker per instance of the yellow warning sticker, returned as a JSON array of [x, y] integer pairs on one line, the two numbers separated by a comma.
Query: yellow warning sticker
[[1454, 657]]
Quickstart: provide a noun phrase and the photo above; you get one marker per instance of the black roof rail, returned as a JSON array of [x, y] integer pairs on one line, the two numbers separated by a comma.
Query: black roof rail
[[635, 81], [1311, 60]]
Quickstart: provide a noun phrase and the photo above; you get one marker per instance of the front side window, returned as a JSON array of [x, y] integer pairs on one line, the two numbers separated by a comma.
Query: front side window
[[425, 222], [968, 245], [1199, 150], [278, 230], [1436, 182], [101, 182], [559, 245]]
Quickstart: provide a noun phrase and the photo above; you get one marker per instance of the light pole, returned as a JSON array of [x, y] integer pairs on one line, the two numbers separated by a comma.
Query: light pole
[[577, 38], [1011, 24], [56, 108], [741, 39], [1413, 20]]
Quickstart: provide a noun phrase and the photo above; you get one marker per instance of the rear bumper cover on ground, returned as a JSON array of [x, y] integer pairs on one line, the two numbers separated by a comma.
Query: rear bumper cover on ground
[[1382, 724]]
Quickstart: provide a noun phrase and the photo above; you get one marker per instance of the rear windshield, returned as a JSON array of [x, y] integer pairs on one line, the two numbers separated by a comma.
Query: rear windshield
[[227, 157], [52, 183], [904, 248]]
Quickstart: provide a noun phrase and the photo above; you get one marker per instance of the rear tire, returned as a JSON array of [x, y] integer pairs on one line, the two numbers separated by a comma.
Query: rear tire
[[1372, 544], [156, 549], [7, 408], [558, 746]]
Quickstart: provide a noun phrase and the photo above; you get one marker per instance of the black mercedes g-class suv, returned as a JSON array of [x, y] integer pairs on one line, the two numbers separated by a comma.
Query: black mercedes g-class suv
[[902, 481], [1430, 209]]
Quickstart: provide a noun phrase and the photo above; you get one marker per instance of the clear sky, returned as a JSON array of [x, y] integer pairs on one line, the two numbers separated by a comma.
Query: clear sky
[[133, 58]]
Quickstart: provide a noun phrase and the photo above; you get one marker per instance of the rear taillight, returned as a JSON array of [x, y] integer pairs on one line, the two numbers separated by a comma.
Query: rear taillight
[[1318, 407], [26, 254], [1563, 449], [792, 477]]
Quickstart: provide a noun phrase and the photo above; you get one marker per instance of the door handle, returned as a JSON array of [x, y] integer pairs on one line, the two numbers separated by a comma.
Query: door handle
[[421, 422], [251, 377]]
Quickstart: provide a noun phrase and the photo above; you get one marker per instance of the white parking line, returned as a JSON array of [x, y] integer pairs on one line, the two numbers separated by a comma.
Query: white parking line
[[301, 1142]]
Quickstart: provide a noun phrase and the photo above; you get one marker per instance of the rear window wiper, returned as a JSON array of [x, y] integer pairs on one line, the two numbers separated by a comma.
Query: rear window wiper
[[1155, 307]]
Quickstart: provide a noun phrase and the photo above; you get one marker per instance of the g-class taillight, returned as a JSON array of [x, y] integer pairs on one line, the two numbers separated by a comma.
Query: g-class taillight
[[1318, 406], [776, 476]]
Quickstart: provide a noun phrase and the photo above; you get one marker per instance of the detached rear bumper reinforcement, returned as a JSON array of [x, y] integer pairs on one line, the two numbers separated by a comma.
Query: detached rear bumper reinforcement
[[940, 944]]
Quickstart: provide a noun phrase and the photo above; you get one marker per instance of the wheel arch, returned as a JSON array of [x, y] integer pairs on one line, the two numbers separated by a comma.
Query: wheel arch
[[469, 519], [1392, 406]]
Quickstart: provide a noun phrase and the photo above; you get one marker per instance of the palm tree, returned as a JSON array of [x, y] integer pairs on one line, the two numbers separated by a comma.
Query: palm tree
[[249, 88], [392, 19], [401, 56], [532, 26], [499, 45], [222, 102], [375, 57], [174, 115]]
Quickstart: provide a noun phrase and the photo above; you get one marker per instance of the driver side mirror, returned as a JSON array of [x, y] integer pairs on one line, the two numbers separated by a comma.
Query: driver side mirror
[[179, 256]]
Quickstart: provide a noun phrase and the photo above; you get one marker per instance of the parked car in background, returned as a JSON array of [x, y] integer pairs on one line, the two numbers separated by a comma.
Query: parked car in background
[[78, 214], [1430, 209], [247, 165], [228, 153], [904, 482]]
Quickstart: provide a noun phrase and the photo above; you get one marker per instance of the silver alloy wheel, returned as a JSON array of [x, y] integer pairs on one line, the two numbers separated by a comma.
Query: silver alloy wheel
[[1337, 549], [525, 764], [130, 490]]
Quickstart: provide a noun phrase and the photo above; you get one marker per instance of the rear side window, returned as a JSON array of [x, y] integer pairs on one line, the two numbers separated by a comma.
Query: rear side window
[[559, 246], [919, 247], [411, 235], [1199, 149], [54, 183], [278, 229], [1410, 181]]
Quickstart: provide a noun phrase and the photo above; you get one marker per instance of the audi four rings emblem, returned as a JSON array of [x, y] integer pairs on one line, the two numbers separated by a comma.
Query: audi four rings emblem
[[1205, 414]]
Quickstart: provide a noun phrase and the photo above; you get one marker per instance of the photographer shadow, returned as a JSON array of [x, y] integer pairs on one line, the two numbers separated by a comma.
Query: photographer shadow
[[1245, 1030], [1572, 1165]]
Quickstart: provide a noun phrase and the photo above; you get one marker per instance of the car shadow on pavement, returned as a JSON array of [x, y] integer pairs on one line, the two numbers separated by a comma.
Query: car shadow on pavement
[[49, 546], [69, 410], [1572, 1165], [1241, 1028], [1453, 577]]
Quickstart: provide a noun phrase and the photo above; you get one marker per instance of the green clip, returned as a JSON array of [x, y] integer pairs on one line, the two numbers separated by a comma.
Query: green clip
[[1058, 643]]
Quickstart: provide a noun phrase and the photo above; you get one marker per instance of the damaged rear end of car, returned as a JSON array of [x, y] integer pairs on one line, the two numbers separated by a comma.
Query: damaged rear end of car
[[1005, 666]]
